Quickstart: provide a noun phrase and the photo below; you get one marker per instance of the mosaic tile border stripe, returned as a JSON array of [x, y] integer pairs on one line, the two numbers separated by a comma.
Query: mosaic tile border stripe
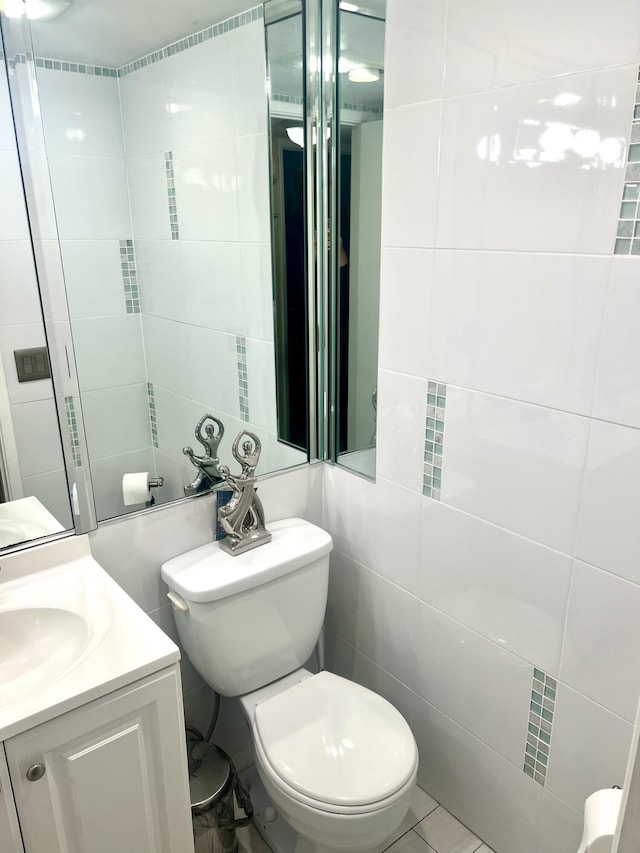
[[171, 195], [541, 710], [628, 234], [153, 420], [129, 277], [297, 99], [434, 439], [76, 67], [243, 378], [70, 410], [223, 27]]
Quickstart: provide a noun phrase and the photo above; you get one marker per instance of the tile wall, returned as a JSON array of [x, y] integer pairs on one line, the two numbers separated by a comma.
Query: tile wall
[[33, 451], [488, 582], [160, 174], [85, 152]]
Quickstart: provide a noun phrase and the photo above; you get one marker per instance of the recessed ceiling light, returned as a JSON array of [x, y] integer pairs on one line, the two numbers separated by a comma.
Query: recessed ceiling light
[[363, 75]]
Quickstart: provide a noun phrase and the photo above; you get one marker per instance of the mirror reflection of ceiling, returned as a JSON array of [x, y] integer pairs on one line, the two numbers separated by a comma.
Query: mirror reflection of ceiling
[[361, 46], [114, 32]]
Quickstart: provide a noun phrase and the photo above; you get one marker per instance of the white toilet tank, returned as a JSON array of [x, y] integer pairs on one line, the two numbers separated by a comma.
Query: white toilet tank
[[253, 618]]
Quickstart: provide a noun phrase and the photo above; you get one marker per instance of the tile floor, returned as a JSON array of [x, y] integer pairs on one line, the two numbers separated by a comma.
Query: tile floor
[[427, 828]]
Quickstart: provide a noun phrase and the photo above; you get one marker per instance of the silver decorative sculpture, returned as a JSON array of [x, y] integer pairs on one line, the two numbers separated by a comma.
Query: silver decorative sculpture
[[208, 471], [242, 518]]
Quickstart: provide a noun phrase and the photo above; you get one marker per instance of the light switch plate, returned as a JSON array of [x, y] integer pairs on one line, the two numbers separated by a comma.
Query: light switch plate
[[32, 364]]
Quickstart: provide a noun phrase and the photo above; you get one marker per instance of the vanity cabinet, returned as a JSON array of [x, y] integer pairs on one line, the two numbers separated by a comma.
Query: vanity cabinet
[[108, 776], [10, 838]]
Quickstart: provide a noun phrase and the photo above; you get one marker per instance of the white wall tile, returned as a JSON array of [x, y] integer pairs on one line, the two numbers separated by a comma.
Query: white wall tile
[[601, 654], [116, 420], [255, 316], [13, 218], [608, 532], [402, 410], [7, 136], [589, 747], [93, 278], [80, 114], [481, 788], [373, 615], [261, 378], [37, 437], [410, 154], [560, 826], [492, 329], [520, 166], [90, 197], [498, 45], [148, 196], [346, 661], [374, 523], [253, 186], [517, 465], [146, 121], [617, 394], [18, 284], [199, 96], [109, 352], [52, 490], [482, 686], [248, 71], [414, 52], [207, 191], [405, 295], [510, 589]]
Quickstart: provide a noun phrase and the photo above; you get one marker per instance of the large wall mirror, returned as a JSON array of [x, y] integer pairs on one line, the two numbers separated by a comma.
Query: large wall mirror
[[156, 246]]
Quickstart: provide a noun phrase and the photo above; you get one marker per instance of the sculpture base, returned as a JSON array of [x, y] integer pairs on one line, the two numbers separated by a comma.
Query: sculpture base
[[253, 539]]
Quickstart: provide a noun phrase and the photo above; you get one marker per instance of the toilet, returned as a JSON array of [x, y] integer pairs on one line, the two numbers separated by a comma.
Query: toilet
[[336, 760]]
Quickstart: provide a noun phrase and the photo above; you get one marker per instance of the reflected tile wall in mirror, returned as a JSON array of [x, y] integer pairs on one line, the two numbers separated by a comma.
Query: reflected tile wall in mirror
[[34, 498], [160, 175]]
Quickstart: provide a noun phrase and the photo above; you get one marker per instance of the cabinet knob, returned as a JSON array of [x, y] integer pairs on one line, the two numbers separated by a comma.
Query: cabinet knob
[[35, 772]]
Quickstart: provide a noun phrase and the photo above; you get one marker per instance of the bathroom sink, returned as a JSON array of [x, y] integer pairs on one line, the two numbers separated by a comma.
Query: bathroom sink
[[68, 634], [38, 644]]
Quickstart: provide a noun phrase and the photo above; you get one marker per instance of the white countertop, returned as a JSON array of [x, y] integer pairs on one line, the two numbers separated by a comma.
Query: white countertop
[[111, 641]]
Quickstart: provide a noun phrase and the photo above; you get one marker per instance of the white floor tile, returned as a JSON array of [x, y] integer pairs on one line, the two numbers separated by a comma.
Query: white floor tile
[[447, 835], [410, 842], [250, 841], [421, 806]]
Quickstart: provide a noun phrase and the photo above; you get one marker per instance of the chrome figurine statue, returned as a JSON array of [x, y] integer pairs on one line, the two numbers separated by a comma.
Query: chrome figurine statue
[[208, 471], [242, 518]]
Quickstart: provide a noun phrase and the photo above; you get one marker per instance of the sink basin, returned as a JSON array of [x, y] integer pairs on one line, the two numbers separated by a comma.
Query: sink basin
[[25, 519], [38, 644]]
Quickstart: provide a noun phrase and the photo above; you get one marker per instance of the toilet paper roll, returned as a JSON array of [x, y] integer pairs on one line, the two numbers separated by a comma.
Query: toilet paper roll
[[600, 819], [135, 488]]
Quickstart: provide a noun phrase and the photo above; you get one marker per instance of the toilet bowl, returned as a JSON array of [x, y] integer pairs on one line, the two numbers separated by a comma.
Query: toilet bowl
[[338, 761]]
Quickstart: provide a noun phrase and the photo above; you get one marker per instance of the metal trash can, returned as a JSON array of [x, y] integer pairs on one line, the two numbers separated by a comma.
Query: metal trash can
[[212, 783]]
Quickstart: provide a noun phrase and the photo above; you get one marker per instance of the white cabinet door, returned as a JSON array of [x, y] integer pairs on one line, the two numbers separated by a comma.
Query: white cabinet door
[[10, 838], [115, 776]]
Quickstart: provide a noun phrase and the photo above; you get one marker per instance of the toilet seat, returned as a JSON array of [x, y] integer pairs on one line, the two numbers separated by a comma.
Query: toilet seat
[[335, 746]]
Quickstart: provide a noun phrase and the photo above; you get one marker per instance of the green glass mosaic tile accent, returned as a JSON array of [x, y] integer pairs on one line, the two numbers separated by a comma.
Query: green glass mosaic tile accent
[[151, 400], [76, 67], [171, 195], [199, 37], [129, 277], [629, 220], [434, 440], [72, 425], [536, 750], [243, 379]]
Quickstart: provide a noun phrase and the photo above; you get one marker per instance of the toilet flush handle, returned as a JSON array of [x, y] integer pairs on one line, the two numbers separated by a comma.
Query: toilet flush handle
[[178, 601]]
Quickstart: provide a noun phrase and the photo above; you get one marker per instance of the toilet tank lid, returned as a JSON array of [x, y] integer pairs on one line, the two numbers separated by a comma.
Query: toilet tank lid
[[209, 574]]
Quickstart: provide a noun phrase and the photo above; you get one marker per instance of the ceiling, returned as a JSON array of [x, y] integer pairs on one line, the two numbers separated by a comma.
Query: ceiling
[[115, 32]]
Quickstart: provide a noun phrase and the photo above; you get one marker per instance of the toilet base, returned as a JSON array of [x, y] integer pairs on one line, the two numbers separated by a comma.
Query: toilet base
[[274, 829]]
